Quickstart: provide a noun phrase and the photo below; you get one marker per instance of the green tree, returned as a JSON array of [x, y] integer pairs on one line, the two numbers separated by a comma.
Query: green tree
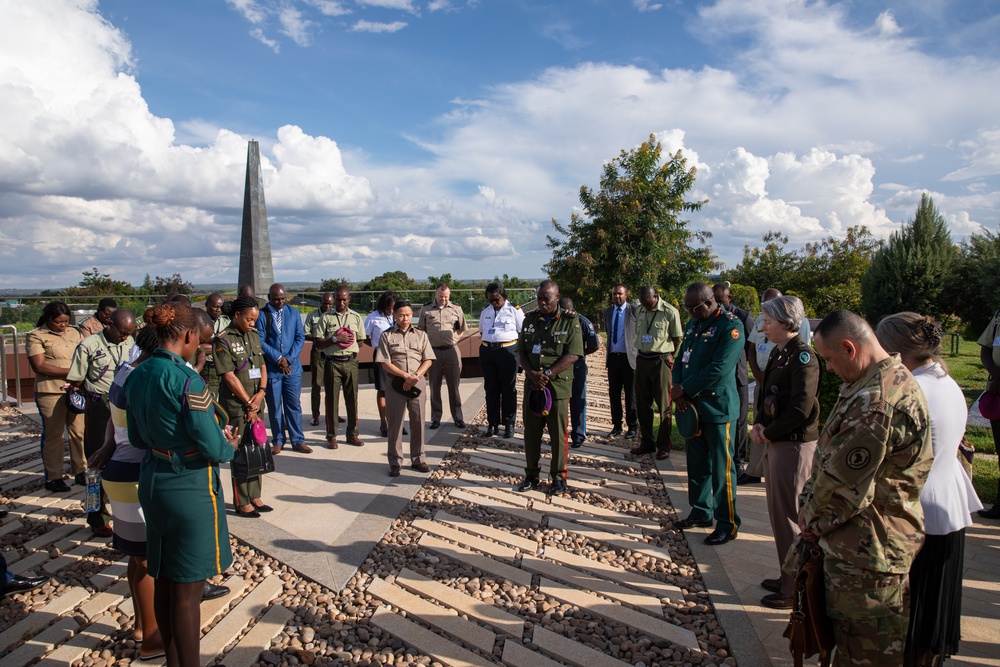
[[765, 266], [396, 280], [434, 281], [911, 270], [630, 231], [331, 284], [174, 283], [95, 283], [975, 282]]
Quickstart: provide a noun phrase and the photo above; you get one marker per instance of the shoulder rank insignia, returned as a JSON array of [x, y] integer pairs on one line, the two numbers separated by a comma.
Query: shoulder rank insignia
[[804, 358], [199, 400]]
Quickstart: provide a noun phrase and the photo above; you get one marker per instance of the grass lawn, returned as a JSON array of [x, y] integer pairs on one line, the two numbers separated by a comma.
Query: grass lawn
[[971, 377]]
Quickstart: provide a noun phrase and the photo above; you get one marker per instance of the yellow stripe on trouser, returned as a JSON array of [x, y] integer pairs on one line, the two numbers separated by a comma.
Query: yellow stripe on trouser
[[729, 481], [215, 518]]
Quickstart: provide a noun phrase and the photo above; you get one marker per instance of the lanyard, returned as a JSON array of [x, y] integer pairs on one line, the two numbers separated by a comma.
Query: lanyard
[[652, 320]]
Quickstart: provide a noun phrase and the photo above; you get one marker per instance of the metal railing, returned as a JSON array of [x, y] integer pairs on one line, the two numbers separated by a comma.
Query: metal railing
[[3, 366]]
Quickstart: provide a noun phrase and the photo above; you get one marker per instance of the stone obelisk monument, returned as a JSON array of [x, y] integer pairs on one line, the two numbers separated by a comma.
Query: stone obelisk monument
[[255, 244]]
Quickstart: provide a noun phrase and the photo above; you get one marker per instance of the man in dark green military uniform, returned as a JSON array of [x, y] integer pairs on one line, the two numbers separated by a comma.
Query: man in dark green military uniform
[[705, 376], [549, 343]]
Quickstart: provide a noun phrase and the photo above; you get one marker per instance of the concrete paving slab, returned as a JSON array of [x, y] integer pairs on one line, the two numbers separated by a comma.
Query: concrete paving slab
[[490, 548], [234, 622], [478, 561], [260, 636], [571, 651], [426, 641]]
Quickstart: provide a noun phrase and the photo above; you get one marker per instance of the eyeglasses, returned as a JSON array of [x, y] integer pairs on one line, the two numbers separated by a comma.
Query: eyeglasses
[[695, 307]]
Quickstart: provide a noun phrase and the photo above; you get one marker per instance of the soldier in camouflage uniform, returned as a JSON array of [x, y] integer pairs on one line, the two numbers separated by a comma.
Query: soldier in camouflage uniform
[[862, 502]]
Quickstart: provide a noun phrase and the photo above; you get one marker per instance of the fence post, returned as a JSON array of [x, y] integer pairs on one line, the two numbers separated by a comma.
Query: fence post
[[956, 341], [3, 367]]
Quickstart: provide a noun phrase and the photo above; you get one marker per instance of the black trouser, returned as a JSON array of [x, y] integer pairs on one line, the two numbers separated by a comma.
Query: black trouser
[[741, 427], [95, 425], [499, 366], [621, 377]]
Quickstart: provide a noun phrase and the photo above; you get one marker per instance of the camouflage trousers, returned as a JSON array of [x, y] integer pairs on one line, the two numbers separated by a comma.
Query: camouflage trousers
[[870, 612]]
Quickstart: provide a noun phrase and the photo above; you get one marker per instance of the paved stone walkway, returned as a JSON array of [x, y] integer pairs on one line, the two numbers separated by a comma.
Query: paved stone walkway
[[606, 554]]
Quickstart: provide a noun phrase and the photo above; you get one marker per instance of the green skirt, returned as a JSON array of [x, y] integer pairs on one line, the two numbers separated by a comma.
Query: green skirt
[[187, 538]]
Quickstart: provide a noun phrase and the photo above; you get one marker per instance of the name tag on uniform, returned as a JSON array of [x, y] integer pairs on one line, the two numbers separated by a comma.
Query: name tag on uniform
[[537, 348], [687, 356], [646, 338], [254, 373]]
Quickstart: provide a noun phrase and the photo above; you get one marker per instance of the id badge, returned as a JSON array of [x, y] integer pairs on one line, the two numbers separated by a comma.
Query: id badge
[[492, 330], [762, 348], [996, 342], [687, 356], [647, 338], [537, 348], [254, 373]]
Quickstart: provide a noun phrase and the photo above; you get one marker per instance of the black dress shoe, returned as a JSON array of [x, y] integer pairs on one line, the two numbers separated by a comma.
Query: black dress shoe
[[508, 432], [383, 431], [459, 423], [315, 421], [719, 536], [393, 471], [341, 420], [80, 479], [773, 585], [631, 434], [745, 479], [576, 445], [211, 591], [252, 514], [992, 513], [662, 456], [615, 432], [683, 524], [435, 424], [406, 431], [263, 508], [527, 484], [640, 450], [557, 487], [4, 511], [777, 601], [56, 485], [21, 584]]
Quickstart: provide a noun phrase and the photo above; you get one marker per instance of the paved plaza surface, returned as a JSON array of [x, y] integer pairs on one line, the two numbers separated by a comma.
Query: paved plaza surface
[[446, 568]]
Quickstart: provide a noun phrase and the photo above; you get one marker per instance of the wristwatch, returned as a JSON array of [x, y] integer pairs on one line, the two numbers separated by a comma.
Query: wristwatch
[[547, 372]]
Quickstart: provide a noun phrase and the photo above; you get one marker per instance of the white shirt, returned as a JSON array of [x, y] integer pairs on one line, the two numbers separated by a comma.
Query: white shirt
[[948, 497], [375, 324], [501, 326]]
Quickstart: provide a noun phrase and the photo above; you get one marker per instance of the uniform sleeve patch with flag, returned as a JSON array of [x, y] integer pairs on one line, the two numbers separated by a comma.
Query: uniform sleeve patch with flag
[[199, 400]]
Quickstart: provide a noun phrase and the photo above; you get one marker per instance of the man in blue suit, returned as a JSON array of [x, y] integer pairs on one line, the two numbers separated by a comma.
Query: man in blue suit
[[282, 337]]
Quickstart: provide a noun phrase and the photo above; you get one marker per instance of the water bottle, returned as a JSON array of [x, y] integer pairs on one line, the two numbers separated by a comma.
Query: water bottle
[[93, 501]]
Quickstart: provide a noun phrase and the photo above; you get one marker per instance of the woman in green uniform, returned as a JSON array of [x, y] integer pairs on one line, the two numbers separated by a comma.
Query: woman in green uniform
[[171, 416], [239, 361]]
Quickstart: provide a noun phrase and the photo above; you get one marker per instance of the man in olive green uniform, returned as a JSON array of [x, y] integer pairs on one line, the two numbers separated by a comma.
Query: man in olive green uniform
[[405, 352], [444, 322], [213, 306], [657, 335], [705, 377], [342, 329], [862, 502], [92, 369], [317, 362], [549, 344], [989, 355]]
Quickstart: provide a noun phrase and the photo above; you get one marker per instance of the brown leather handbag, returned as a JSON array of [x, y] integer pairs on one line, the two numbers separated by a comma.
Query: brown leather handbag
[[809, 629]]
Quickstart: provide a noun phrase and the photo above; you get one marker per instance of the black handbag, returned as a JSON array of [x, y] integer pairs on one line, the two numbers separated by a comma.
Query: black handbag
[[251, 459]]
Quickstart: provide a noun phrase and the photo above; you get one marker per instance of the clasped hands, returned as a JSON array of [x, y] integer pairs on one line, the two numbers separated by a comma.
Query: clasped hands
[[757, 434], [679, 398], [539, 380]]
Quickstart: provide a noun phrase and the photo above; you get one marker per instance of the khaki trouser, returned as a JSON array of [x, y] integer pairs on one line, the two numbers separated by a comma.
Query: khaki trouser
[[341, 375], [447, 366], [787, 467], [56, 420], [396, 407]]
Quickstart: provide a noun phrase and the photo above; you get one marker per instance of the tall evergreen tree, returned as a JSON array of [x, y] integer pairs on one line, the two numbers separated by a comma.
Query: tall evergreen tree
[[912, 270]]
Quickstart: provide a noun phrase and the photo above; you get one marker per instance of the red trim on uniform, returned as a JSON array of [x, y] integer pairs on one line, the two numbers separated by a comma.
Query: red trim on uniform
[[565, 470]]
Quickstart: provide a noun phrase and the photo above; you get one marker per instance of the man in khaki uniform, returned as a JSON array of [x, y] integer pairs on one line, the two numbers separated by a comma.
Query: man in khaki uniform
[[862, 502], [342, 329], [405, 354], [92, 368], [95, 324], [658, 334], [206, 361], [317, 362], [444, 323]]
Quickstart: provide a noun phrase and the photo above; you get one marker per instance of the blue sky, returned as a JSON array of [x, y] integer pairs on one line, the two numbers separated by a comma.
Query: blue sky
[[442, 136]]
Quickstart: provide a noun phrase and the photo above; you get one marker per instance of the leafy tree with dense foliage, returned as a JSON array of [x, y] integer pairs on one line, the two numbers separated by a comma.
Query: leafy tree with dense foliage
[[825, 275], [161, 285], [630, 231], [975, 282], [95, 283], [911, 270]]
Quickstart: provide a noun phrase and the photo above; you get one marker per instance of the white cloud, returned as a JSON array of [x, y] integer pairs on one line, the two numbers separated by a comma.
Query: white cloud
[[402, 5], [329, 7], [375, 26], [983, 157], [294, 25], [438, 5], [646, 5]]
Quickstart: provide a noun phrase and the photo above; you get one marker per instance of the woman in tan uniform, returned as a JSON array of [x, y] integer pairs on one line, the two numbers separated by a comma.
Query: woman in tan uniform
[[50, 347]]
